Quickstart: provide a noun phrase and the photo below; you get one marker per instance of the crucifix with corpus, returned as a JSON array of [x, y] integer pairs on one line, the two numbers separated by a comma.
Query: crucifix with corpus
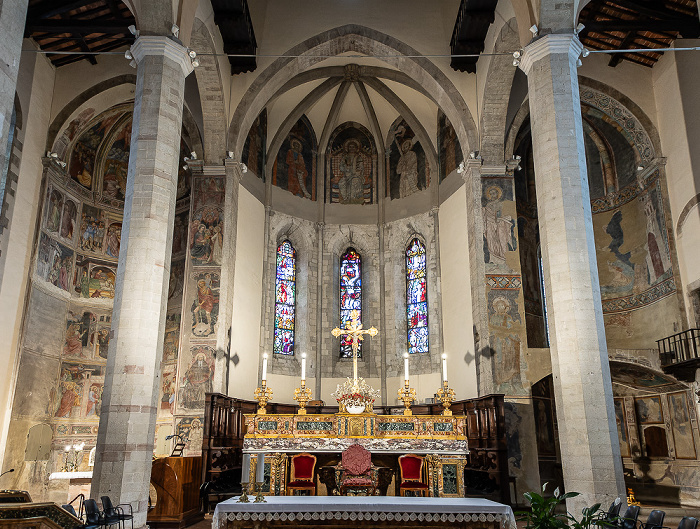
[[354, 330]]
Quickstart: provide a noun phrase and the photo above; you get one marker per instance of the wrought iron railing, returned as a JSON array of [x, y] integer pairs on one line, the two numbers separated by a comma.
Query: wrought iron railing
[[679, 347]]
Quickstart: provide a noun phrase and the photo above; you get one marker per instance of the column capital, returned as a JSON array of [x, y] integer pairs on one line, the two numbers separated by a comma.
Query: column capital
[[148, 45], [471, 168], [236, 168], [552, 44]]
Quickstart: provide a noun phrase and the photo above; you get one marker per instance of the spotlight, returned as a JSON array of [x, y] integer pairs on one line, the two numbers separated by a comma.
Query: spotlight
[[175, 30], [578, 63], [192, 54], [474, 155], [230, 155], [640, 168], [193, 155], [516, 62], [534, 30], [195, 63], [244, 168], [585, 53], [460, 169], [62, 164], [185, 167], [517, 54], [579, 29], [135, 32], [128, 55], [516, 157]]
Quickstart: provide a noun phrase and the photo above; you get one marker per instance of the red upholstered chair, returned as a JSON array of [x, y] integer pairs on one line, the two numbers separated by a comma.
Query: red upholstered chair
[[356, 472], [302, 474], [411, 467]]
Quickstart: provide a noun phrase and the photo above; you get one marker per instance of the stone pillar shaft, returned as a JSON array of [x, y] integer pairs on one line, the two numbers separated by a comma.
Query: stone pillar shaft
[[127, 421], [583, 389]]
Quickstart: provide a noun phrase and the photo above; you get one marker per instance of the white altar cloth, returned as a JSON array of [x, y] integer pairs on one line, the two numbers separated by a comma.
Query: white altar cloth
[[374, 508]]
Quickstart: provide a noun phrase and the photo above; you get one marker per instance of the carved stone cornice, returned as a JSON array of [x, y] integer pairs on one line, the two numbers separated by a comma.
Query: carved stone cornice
[[148, 45], [552, 44]]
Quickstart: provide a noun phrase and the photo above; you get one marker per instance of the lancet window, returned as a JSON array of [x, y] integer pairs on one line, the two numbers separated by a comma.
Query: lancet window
[[350, 296], [416, 298], [285, 299]]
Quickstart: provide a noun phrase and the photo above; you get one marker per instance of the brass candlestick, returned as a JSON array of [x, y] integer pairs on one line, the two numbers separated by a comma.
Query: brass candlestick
[[262, 395], [244, 493], [259, 498], [407, 395], [302, 395], [446, 395]]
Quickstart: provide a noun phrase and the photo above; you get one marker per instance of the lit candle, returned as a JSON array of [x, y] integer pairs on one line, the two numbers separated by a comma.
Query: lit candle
[[444, 367], [245, 471], [260, 469], [303, 366], [405, 367], [264, 373]]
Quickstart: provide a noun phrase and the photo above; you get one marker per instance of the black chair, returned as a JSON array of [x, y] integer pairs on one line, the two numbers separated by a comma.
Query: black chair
[[117, 511], [611, 517], [688, 522], [70, 510], [95, 518], [654, 521], [629, 519]]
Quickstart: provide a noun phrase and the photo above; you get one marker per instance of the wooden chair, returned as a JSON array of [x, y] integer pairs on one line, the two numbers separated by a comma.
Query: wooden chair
[[302, 474], [356, 472], [411, 467]]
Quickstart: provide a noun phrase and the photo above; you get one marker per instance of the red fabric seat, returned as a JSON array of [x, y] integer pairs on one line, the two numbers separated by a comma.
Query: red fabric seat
[[302, 474], [356, 470], [411, 467]]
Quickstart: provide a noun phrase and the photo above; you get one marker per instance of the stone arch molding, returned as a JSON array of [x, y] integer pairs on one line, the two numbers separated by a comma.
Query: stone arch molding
[[359, 39]]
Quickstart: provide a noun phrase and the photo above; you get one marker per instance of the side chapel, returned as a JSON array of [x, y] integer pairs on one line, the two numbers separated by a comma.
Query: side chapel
[[190, 186]]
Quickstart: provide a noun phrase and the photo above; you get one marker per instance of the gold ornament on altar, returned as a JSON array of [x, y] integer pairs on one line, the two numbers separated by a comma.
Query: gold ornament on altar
[[355, 396], [262, 395], [354, 330], [302, 395], [407, 395], [446, 395]]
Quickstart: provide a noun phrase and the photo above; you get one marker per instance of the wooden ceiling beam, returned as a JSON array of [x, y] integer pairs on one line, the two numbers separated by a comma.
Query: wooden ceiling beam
[[686, 26], [77, 26]]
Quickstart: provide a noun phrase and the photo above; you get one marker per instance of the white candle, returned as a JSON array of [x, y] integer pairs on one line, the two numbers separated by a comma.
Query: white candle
[[405, 367], [303, 366], [260, 469], [444, 367], [245, 471], [264, 373]]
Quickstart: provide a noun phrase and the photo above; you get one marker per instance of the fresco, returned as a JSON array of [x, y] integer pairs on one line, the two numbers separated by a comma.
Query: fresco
[[116, 165], [94, 400], [177, 279], [295, 166], [352, 165], [54, 209], [205, 305], [180, 232], [101, 282], [449, 149], [254, 148], [79, 334], [81, 166], [682, 427], [54, 262], [206, 236], [505, 325], [171, 339], [197, 378], [73, 387], [113, 239], [68, 220], [168, 384], [92, 229], [622, 428], [192, 432], [102, 342], [499, 223], [408, 171], [649, 410], [208, 190]]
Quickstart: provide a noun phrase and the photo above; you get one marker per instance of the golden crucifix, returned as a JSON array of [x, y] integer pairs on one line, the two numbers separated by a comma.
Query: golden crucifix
[[354, 329]]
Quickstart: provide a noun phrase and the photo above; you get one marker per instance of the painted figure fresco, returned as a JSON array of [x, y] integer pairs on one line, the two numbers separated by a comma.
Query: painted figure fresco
[[81, 166], [658, 260], [71, 387], [55, 207], [295, 167], [171, 339], [167, 390], [116, 165], [408, 171], [254, 148], [102, 339], [113, 239], [180, 232], [102, 280], [206, 236], [54, 262], [198, 378], [682, 428], [70, 397], [192, 432], [352, 165], [499, 228], [649, 410], [505, 338], [177, 279], [94, 400], [449, 149], [208, 191], [622, 428], [205, 306], [68, 219], [92, 229], [79, 329]]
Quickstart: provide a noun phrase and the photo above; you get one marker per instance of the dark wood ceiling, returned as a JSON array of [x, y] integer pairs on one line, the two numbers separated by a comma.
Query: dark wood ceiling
[[630, 24], [94, 26], [473, 20], [78, 26]]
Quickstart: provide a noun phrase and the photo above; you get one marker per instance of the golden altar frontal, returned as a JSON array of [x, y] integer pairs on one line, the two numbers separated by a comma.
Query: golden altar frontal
[[442, 439]]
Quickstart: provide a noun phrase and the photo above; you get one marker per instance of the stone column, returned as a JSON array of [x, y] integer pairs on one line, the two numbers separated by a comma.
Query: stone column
[[13, 14], [590, 450], [128, 417]]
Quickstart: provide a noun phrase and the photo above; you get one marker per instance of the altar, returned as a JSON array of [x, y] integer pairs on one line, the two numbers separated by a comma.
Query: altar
[[346, 512]]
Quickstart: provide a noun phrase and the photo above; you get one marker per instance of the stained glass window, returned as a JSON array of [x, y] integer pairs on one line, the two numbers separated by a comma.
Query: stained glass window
[[350, 296], [285, 298], [416, 298]]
